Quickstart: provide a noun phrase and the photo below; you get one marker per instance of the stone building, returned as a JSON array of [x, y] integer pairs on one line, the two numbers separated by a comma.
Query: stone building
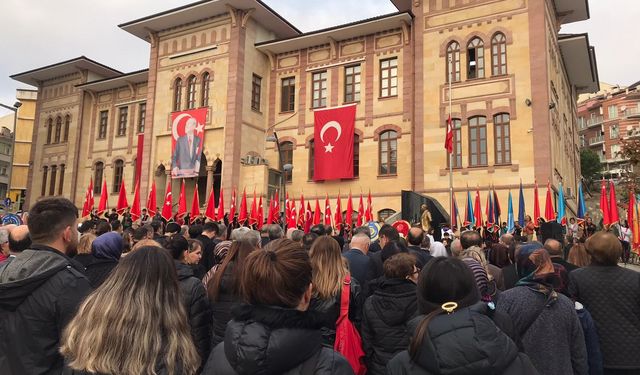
[[514, 85]]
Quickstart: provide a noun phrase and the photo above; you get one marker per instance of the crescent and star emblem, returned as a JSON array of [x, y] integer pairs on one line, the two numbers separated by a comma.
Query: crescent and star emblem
[[331, 124], [174, 126]]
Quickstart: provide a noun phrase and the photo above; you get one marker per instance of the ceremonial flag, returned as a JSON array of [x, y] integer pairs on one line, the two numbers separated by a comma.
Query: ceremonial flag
[[549, 212], [582, 208], [561, 219], [151, 200], [307, 219], [327, 211], [369, 213], [469, 217], [632, 221], [220, 216], [604, 205], [360, 211], [333, 139], [276, 208], [287, 209], [270, 213], [253, 216], [490, 209], [135, 207], [613, 205], [243, 216], [292, 220], [195, 204], [85, 205], [210, 212], [454, 214], [448, 142], [317, 213], [104, 196], [478, 211], [349, 216], [536, 206], [182, 201], [260, 213], [90, 192], [338, 215], [635, 232], [510, 222], [122, 198], [232, 209], [301, 212], [496, 207], [187, 130], [521, 207]]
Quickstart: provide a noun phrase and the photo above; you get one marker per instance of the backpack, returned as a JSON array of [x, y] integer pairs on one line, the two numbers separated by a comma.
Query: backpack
[[348, 341]]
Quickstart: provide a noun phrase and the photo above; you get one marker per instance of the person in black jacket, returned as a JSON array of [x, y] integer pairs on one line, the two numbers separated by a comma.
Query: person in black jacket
[[194, 296], [386, 313], [275, 333], [40, 290], [106, 251], [456, 335]]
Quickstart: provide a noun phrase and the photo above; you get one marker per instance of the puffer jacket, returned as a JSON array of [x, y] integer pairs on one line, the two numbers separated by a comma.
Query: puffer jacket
[[194, 298], [329, 309], [40, 290], [265, 340], [465, 342], [221, 307], [385, 318]]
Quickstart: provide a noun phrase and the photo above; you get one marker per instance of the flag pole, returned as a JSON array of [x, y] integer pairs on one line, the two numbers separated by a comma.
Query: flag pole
[[450, 124]]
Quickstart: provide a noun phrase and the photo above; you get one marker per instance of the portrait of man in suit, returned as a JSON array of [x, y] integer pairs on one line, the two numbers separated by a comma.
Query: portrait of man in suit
[[186, 155]]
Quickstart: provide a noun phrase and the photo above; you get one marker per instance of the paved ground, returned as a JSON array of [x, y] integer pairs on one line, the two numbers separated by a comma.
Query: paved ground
[[631, 266]]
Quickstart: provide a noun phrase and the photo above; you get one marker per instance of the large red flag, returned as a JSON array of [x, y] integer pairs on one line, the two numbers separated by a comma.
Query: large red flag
[[167, 206], [604, 205], [632, 221], [91, 199], [270, 213], [338, 217], [307, 219], [210, 212], [301, 212], [195, 204], [348, 220], [448, 141], [369, 213], [135, 207], [220, 216], [85, 205], [232, 209], [327, 211], [102, 205], [151, 201], [287, 209], [317, 214], [292, 218], [187, 141], [253, 215], [182, 201], [477, 210], [613, 205], [549, 211], [260, 213], [276, 209], [122, 198], [244, 215], [536, 205], [360, 211], [333, 140]]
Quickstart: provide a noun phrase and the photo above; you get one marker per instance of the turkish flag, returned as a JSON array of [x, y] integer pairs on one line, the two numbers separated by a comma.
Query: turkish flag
[[361, 211], [333, 142], [187, 141], [195, 204], [327, 211], [135, 207], [317, 214], [102, 205], [448, 142], [536, 206], [182, 201], [613, 205], [243, 216], [210, 212], [220, 206], [549, 212], [338, 217], [301, 212], [369, 213], [349, 216], [167, 206], [122, 198], [253, 216], [260, 214], [232, 210], [151, 201]]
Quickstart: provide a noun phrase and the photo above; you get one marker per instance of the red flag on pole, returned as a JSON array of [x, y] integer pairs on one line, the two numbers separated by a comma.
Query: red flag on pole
[[287, 209], [270, 213], [243, 216], [317, 213], [613, 205], [135, 207], [253, 216], [151, 201], [448, 142], [348, 220], [220, 216], [549, 211], [477, 210], [210, 212], [276, 209], [90, 191], [182, 201], [195, 204], [360, 211], [232, 209], [260, 213], [167, 206], [122, 198], [536, 206], [338, 215], [604, 205], [369, 213], [301, 212], [327, 211], [292, 218], [85, 205], [102, 205], [333, 139], [307, 219]]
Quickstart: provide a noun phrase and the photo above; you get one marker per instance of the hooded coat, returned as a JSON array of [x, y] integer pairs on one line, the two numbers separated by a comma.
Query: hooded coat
[[40, 290], [263, 340], [106, 250], [385, 319], [465, 342]]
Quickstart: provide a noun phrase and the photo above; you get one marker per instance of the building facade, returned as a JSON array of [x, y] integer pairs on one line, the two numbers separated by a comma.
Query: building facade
[[514, 84], [21, 156], [605, 119], [6, 143]]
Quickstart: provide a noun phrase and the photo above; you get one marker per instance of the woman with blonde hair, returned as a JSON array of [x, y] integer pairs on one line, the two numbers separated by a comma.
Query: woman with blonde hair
[[578, 255], [84, 256], [134, 323], [329, 271]]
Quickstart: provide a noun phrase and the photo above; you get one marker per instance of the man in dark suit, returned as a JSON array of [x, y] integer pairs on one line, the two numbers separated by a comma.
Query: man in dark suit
[[186, 157], [358, 259], [415, 238]]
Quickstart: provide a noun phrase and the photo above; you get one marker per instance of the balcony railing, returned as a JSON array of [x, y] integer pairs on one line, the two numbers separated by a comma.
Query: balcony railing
[[596, 140], [632, 112], [593, 121]]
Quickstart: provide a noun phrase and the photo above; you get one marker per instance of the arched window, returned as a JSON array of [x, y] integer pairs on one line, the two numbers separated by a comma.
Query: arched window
[[456, 156], [45, 172], [388, 153], [97, 177], [56, 138], [67, 122], [385, 214], [502, 135], [475, 59], [191, 92], [49, 130], [311, 157], [61, 183], [118, 170], [453, 62], [477, 141], [204, 101], [286, 148], [499, 54], [52, 183], [356, 155], [177, 95]]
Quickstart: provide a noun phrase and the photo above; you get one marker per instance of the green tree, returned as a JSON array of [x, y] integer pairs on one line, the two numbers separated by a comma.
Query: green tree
[[590, 165]]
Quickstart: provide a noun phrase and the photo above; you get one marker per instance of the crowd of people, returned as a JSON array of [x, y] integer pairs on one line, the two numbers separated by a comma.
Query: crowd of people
[[111, 296]]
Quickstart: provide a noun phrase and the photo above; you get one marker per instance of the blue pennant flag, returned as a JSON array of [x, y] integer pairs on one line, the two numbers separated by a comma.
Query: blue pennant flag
[[510, 223], [521, 208], [582, 209], [560, 219]]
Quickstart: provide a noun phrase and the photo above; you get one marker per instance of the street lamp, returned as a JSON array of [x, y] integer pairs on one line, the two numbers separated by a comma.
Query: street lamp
[[15, 107], [283, 168]]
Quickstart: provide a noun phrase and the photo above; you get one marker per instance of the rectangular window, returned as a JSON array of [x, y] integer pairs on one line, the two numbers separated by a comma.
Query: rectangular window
[[319, 89], [502, 138], [613, 112], [61, 183], [288, 95], [614, 132], [256, 86], [142, 115], [456, 156], [102, 127], [352, 84], [389, 77], [123, 114], [477, 141], [45, 171], [52, 183]]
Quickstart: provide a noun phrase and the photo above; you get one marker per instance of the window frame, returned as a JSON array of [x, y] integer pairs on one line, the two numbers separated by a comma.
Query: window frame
[[286, 148], [177, 94], [52, 182], [191, 92], [502, 139], [321, 78], [142, 117], [454, 55], [103, 124], [476, 44], [118, 173], [49, 130], [389, 78], [457, 144], [498, 54], [45, 175], [256, 92], [204, 86], [61, 182], [353, 83], [478, 139], [123, 119], [288, 94], [390, 139], [58, 133], [97, 178], [67, 124], [356, 155], [312, 152]]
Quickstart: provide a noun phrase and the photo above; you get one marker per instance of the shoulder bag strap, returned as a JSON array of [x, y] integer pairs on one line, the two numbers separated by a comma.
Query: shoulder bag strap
[[344, 298], [535, 317]]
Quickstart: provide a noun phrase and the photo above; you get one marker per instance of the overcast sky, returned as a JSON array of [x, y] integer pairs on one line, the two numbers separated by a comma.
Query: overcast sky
[[36, 33]]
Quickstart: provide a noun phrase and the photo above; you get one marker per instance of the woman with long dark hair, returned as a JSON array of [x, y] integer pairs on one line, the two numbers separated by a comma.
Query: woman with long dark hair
[[455, 334], [133, 323]]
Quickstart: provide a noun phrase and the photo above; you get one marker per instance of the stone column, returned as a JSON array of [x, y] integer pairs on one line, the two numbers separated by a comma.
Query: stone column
[[209, 180]]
